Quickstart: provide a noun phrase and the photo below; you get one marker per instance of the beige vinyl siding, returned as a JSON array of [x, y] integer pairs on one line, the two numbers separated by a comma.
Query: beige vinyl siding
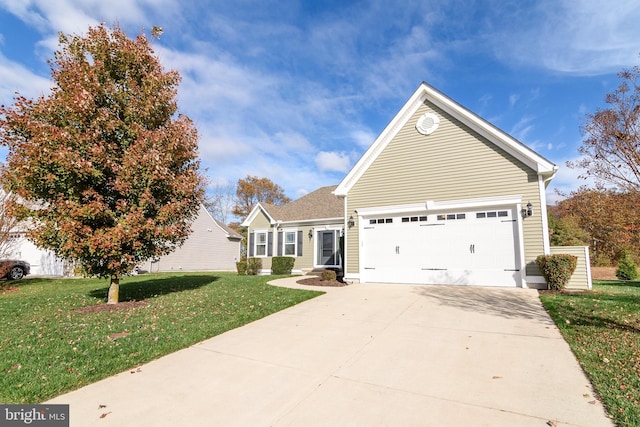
[[453, 163], [305, 262], [261, 222], [207, 249], [581, 278]]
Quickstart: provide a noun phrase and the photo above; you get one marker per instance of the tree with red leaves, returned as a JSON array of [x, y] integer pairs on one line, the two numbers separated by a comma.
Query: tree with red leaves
[[611, 147], [107, 171]]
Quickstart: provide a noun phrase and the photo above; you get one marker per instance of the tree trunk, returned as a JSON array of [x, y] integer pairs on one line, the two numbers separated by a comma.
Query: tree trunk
[[114, 288]]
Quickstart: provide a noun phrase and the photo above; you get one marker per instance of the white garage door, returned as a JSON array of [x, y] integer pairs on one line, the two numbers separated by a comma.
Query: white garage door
[[465, 248]]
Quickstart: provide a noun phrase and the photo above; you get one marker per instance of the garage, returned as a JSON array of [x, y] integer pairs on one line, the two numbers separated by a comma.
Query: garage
[[471, 247]]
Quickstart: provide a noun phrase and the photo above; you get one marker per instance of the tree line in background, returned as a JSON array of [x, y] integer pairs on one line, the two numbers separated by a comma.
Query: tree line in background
[[607, 217], [238, 200], [606, 220]]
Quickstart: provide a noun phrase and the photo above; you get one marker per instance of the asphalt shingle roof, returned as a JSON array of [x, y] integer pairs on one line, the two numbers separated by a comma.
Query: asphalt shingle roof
[[318, 204]]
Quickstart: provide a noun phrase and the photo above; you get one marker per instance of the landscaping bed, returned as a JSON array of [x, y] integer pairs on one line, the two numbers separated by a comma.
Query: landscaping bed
[[318, 281]]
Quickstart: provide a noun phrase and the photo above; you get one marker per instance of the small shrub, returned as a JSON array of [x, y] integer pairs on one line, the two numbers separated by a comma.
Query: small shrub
[[254, 265], [282, 264], [557, 269], [241, 266], [627, 269], [328, 275]]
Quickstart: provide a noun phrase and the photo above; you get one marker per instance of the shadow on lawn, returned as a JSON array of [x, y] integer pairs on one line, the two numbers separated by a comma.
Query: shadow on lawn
[[598, 317], [154, 286], [619, 283]]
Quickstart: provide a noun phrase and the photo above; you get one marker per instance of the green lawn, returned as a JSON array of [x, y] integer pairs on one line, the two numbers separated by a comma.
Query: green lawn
[[603, 329], [48, 348]]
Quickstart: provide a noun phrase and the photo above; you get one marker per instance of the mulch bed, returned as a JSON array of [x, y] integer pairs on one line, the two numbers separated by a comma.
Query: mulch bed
[[317, 281], [99, 308]]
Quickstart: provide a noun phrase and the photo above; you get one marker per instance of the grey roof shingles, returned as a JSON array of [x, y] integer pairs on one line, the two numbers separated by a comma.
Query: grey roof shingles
[[318, 204]]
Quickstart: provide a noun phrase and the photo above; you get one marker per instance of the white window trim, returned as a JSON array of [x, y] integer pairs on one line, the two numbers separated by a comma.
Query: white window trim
[[255, 243], [295, 241], [337, 229]]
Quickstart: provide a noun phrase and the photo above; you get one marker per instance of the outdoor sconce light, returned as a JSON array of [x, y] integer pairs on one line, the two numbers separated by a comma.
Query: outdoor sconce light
[[310, 233], [528, 211], [351, 222]]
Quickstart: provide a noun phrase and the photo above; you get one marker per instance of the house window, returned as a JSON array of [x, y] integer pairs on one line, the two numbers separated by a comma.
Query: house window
[[290, 243], [413, 218], [261, 243], [446, 217], [381, 221]]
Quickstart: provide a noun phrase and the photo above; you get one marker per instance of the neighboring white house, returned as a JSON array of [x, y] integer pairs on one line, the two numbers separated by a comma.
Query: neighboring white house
[[212, 246], [43, 262]]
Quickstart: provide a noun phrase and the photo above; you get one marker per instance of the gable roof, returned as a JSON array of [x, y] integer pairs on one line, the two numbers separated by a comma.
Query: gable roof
[[425, 92], [319, 204], [230, 232]]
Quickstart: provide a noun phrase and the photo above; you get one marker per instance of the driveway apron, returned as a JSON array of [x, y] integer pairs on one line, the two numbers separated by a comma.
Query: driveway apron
[[363, 355]]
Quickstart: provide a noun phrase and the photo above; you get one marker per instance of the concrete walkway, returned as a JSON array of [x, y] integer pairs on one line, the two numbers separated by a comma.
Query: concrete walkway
[[363, 355]]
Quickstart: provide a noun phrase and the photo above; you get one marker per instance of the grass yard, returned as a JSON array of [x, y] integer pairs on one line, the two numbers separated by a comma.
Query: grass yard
[[603, 329], [53, 342]]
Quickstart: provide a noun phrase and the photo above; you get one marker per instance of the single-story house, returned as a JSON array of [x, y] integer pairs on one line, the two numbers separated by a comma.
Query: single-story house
[[212, 246], [441, 197], [309, 229]]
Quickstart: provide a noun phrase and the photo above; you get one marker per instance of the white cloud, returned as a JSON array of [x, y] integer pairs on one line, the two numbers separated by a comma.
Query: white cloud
[[523, 128], [513, 98], [333, 161], [583, 38], [363, 137], [15, 77]]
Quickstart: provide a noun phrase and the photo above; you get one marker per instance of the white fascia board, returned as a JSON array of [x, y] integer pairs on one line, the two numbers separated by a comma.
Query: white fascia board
[[425, 92], [473, 203], [320, 221], [254, 212], [491, 132], [380, 143], [443, 205]]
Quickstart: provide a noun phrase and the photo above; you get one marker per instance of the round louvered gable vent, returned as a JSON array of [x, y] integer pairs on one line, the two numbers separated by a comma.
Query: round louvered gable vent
[[427, 123]]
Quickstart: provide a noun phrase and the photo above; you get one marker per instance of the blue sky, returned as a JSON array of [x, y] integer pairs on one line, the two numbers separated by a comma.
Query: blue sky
[[297, 90]]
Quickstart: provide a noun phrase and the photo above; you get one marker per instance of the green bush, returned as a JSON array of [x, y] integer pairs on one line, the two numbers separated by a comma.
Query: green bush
[[627, 269], [254, 265], [328, 275], [282, 264], [241, 266], [557, 269]]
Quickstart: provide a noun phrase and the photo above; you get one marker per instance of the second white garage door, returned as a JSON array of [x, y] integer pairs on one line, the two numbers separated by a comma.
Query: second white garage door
[[464, 248]]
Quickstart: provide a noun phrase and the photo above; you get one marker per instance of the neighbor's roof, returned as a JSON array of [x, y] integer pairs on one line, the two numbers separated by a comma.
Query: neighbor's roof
[[230, 231], [319, 204]]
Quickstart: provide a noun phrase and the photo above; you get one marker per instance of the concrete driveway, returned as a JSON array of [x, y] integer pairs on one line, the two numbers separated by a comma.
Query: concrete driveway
[[363, 355]]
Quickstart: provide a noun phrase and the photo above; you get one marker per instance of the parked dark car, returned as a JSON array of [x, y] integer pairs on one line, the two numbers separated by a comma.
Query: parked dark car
[[14, 269]]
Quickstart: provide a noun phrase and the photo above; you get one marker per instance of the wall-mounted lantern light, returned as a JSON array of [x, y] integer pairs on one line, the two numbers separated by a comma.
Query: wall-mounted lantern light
[[310, 233], [528, 211], [351, 222]]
